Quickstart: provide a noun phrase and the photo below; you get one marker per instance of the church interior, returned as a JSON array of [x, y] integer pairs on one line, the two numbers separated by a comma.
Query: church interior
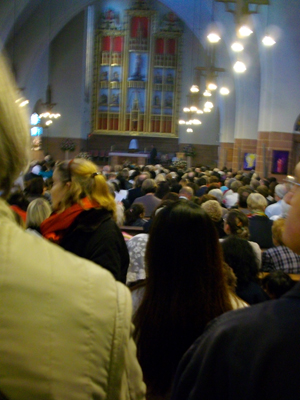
[[109, 72]]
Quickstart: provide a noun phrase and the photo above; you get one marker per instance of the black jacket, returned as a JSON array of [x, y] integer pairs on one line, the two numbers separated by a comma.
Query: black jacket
[[246, 354], [95, 236]]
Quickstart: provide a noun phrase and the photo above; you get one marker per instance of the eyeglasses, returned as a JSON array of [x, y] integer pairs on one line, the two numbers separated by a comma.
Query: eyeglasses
[[291, 180]]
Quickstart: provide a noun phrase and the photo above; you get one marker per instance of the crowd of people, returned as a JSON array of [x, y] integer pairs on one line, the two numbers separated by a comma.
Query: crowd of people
[[188, 325]]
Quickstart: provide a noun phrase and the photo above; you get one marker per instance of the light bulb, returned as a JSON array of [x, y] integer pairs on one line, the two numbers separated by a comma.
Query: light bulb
[[245, 31], [189, 130], [237, 47], [193, 108], [239, 66], [181, 122], [207, 93], [196, 122], [213, 37], [268, 41], [208, 104], [194, 89], [224, 91], [199, 112], [49, 122], [206, 110], [186, 109], [212, 86]]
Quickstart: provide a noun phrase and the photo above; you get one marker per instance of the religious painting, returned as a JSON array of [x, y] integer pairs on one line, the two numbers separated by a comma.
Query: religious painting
[[249, 161], [138, 63], [280, 162]]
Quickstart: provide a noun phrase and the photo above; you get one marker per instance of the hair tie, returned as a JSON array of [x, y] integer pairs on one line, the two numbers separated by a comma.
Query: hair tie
[[95, 173]]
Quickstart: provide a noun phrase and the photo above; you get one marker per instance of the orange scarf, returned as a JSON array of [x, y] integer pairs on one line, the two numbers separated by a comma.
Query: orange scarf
[[53, 227]]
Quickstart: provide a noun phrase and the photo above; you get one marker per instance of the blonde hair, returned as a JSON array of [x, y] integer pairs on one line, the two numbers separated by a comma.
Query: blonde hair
[[213, 209], [14, 131], [85, 181], [256, 201], [37, 211], [277, 231]]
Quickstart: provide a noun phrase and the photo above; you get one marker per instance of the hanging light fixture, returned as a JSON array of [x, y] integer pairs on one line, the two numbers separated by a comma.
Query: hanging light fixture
[[268, 41], [213, 37], [224, 91], [239, 67], [194, 89], [237, 47]]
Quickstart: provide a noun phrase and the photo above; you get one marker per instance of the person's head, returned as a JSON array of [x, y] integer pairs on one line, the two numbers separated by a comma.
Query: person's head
[[213, 209], [139, 179], [163, 188], [277, 283], [256, 202], [263, 190], [186, 192], [14, 132], [148, 186], [76, 179], [35, 186], [19, 199], [280, 191], [237, 224], [37, 211], [217, 193], [183, 292], [235, 186], [244, 192], [254, 183], [171, 196], [239, 255], [136, 211], [201, 181], [277, 231]]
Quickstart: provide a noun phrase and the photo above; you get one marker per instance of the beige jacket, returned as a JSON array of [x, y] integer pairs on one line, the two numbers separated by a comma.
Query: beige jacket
[[65, 324]]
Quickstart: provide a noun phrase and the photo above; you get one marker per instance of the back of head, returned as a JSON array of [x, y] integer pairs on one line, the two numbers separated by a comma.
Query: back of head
[[183, 292], [85, 181], [217, 193], [277, 283], [238, 224], [37, 211], [133, 213], [239, 255], [235, 186], [244, 192], [148, 186], [186, 191], [14, 132], [256, 201], [263, 190], [280, 191], [213, 209], [277, 231]]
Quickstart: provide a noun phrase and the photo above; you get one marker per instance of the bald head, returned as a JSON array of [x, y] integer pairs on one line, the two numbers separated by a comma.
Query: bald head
[[186, 192]]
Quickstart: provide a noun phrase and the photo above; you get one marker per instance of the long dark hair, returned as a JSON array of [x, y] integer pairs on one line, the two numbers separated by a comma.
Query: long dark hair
[[185, 289]]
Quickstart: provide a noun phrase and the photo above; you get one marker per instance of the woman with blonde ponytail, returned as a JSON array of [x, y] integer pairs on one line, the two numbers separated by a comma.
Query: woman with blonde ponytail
[[84, 217]]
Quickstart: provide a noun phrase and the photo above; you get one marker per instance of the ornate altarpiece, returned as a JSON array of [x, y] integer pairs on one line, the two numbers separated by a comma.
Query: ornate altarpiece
[[137, 73]]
